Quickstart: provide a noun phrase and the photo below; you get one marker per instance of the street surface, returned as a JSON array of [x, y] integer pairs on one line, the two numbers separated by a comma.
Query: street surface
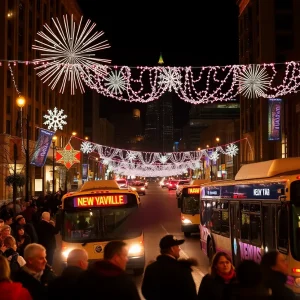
[[161, 216]]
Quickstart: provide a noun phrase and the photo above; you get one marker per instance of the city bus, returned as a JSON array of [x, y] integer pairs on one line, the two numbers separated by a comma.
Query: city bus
[[188, 202], [257, 212], [98, 213]]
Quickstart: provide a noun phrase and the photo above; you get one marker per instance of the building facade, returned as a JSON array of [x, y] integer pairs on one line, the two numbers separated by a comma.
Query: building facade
[[20, 20], [269, 32]]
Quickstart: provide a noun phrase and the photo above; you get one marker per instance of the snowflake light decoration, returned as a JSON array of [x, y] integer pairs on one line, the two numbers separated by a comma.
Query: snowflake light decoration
[[106, 162], [68, 52], [253, 81], [55, 119], [163, 159], [231, 150], [131, 156], [170, 79], [116, 82], [86, 147], [214, 156]]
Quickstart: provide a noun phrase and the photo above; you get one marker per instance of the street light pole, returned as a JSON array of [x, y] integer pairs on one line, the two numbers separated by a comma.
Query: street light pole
[[27, 161], [54, 138]]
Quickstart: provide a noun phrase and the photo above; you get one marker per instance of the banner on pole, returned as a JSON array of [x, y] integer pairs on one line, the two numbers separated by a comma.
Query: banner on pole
[[42, 147]]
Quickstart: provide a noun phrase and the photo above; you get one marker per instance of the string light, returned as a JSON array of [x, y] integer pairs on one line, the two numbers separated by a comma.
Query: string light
[[13, 79]]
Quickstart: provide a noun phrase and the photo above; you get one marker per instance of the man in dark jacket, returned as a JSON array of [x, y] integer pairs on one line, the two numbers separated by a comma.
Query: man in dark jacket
[[108, 276], [168, 277], [62, 287]]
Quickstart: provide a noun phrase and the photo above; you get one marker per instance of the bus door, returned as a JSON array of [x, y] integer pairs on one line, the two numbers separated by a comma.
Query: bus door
[[235, 232]]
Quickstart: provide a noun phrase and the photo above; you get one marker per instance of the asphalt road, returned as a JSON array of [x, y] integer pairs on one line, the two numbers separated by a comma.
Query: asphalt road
[[161, 216]]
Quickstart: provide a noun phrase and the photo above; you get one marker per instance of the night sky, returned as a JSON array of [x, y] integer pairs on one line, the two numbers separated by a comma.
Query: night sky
[[190, 33]]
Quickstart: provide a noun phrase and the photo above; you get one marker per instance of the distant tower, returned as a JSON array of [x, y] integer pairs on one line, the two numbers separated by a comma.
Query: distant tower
[[159, 122]]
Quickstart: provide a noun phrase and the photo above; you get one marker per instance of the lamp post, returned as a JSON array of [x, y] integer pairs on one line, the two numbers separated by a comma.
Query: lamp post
[[54, 138], [21, 103], [217, 162]]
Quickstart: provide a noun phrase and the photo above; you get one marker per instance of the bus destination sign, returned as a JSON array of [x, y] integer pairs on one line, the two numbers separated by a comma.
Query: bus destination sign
[[193, 191], [100, 200]]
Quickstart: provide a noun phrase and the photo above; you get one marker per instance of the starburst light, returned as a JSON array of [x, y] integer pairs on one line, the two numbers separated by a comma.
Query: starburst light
[[55, 119], [170, 79], [116, 83], [253, 81], [67, 52]]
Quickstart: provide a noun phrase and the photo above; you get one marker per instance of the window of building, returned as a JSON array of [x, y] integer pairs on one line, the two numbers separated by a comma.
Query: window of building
[[10, 4], [21, 11], [45, 12], [283, 5], [50, 101], [8, 79], [283, 145], [37, 92], [251, 223], [9, 52], [37, 132], [8, 127], [284, 22], [29, 112], [284, 42], [37, 116], [8, 104], [20, 83], [44, 97], [30, 20], [38, 5], [10, 31], [29, 89]]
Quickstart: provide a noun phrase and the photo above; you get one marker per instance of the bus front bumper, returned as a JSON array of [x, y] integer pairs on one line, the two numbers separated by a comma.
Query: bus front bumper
[[190, 228]]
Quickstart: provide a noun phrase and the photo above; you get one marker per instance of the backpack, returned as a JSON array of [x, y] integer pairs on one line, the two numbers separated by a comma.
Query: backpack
[[13, 263]]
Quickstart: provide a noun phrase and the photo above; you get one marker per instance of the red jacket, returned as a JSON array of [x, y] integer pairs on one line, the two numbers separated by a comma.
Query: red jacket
[[13, 291]]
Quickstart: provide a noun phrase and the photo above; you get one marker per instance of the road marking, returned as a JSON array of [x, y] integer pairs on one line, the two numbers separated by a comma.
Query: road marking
[[185, 254]]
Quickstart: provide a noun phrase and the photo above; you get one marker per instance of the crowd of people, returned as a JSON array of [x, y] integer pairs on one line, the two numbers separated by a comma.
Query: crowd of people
[[27, 245]]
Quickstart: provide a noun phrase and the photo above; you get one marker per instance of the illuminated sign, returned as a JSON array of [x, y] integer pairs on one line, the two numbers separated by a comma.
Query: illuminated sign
[[193, 190], [100, 200], [261, 192], [274, 120]]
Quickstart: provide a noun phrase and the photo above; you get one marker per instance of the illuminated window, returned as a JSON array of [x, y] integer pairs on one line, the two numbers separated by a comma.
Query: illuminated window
[[284, 146]]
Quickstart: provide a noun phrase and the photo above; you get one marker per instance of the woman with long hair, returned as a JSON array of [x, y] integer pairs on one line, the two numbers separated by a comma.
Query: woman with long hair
[[221, 274], [22, 239], [10, 290]]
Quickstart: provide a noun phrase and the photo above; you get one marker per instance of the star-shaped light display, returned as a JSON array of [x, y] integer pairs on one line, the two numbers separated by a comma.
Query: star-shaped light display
[[68, 156]]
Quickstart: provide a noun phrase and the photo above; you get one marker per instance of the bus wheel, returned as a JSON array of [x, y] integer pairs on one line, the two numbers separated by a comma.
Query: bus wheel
[[187, 234], [210, 251], [138, 271]]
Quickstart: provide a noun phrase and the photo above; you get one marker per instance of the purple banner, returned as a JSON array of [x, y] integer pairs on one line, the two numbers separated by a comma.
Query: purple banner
[[84, 171], [42, 147], [274, 120]]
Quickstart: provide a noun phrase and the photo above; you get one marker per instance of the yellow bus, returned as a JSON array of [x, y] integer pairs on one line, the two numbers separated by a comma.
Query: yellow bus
[[257, 212], [188, 202], [98, 213]]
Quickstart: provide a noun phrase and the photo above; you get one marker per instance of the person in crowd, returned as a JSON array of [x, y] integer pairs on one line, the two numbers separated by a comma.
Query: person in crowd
[[213, 285], [36, 274], [5, 231], [1, 223], [275, 270], [46, 234], [22, 238], [28, 228], [62, 287], [16, 261], [169, 277], [6, 210], [108, 276], [10, 290], [249, 283]]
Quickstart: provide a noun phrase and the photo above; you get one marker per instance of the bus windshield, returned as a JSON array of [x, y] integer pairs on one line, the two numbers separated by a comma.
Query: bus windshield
[[87, 225], [190, 204]]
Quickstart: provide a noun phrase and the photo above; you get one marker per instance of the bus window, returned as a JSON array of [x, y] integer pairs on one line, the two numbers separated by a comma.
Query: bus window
[[269, 227], [282, 228], [220, 218], [295, 215]]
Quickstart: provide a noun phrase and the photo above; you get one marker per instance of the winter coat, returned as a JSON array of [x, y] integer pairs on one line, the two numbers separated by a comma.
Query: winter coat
[[13, 291], [239, 292], [37, 289], [168, 278], [106, 280], [62, 287], [213, 287], [276, 282]]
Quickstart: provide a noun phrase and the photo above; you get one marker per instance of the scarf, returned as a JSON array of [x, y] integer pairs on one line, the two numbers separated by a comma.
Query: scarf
[[227, 277]]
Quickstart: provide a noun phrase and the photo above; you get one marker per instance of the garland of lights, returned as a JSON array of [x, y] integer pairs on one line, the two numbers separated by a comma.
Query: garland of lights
[[150, 164], [67, 53]]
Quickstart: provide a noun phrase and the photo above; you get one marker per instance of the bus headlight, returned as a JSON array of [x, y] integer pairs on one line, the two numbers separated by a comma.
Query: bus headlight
[[297, 281], [133, 188], [142, 189], [186, 221], [135, 249], [66, 252]]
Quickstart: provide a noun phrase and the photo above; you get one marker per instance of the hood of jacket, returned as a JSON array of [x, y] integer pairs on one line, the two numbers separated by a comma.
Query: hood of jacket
[[188, 263], [106, 268], [10, 290]]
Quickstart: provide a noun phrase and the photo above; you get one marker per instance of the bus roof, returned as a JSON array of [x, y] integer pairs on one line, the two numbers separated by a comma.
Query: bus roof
[[199, 181], [269, 168], [100, 184]]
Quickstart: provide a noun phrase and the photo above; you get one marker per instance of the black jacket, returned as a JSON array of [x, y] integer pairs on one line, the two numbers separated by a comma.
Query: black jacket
[[213, 287], [46, 235], [168, 278], [62, 287], [276, 282], [37, 289], [106, 280]]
